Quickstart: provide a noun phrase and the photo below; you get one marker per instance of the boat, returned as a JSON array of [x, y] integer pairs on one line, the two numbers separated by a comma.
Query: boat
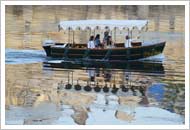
[[138, 49]]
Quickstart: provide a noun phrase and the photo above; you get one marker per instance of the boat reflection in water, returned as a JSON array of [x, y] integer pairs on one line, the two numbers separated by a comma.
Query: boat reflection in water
[[109, 80], [106, 77], [131, 66]]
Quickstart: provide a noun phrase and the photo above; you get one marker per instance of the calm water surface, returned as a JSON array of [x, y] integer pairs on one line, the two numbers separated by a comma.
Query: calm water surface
[[36, 94]]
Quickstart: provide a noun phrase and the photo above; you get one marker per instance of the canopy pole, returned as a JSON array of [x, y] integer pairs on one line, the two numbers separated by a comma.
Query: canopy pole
[[73, 37], [115, 34], [128, 36], [69, 36], [94, 32], [90, 32], [142, 33]]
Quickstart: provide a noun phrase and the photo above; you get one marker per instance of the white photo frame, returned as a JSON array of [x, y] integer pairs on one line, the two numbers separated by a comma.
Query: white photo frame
[[4, 3]]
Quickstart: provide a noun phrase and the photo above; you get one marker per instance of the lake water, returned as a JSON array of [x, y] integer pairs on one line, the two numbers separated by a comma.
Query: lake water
[[36, 93]]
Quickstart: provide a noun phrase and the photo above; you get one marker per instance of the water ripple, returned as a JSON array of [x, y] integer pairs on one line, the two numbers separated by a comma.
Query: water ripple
[[14, 56]]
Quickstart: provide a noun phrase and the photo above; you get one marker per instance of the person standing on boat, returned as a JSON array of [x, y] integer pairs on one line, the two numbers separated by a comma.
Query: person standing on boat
[[97, 41], [105, 40], [91, 42], [110, 43], [128, 42]]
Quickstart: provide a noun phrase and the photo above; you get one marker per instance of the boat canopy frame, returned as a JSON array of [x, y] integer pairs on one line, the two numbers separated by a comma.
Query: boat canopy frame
[[102, 24], [112, 25]]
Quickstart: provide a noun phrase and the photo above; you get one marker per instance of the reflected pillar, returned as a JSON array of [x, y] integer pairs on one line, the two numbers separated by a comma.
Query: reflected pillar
[[142, 11], [157, 23], [172, 22], [27, 17]]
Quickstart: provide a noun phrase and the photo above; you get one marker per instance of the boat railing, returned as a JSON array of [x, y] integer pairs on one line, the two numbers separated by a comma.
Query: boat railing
[[151, 42], [117, 45]]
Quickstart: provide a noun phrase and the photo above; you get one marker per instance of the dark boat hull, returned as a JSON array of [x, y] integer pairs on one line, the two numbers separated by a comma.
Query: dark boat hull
[[118, 53]]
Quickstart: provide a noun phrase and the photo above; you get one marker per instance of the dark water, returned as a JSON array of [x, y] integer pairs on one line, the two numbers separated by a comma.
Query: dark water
[[35, 91]]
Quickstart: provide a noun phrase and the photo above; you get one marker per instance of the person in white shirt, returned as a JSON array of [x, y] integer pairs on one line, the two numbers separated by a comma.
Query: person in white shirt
[[128, 42], [91, 42]]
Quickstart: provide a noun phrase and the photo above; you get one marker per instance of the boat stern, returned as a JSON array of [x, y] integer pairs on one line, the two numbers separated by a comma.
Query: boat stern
[[47, 46]]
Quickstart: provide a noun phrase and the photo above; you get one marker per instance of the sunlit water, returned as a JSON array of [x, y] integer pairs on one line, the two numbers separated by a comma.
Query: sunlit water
[[36, 94]]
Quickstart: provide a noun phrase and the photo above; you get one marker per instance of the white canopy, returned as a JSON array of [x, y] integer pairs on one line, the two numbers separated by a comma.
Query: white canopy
[[102, 24]]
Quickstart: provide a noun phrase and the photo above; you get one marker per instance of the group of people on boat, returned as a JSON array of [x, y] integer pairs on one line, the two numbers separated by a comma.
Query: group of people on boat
[[94, 42]]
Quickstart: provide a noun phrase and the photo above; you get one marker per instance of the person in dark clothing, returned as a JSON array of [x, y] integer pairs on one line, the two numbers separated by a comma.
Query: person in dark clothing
[[106, 34], [110, 43], [97, 41]]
